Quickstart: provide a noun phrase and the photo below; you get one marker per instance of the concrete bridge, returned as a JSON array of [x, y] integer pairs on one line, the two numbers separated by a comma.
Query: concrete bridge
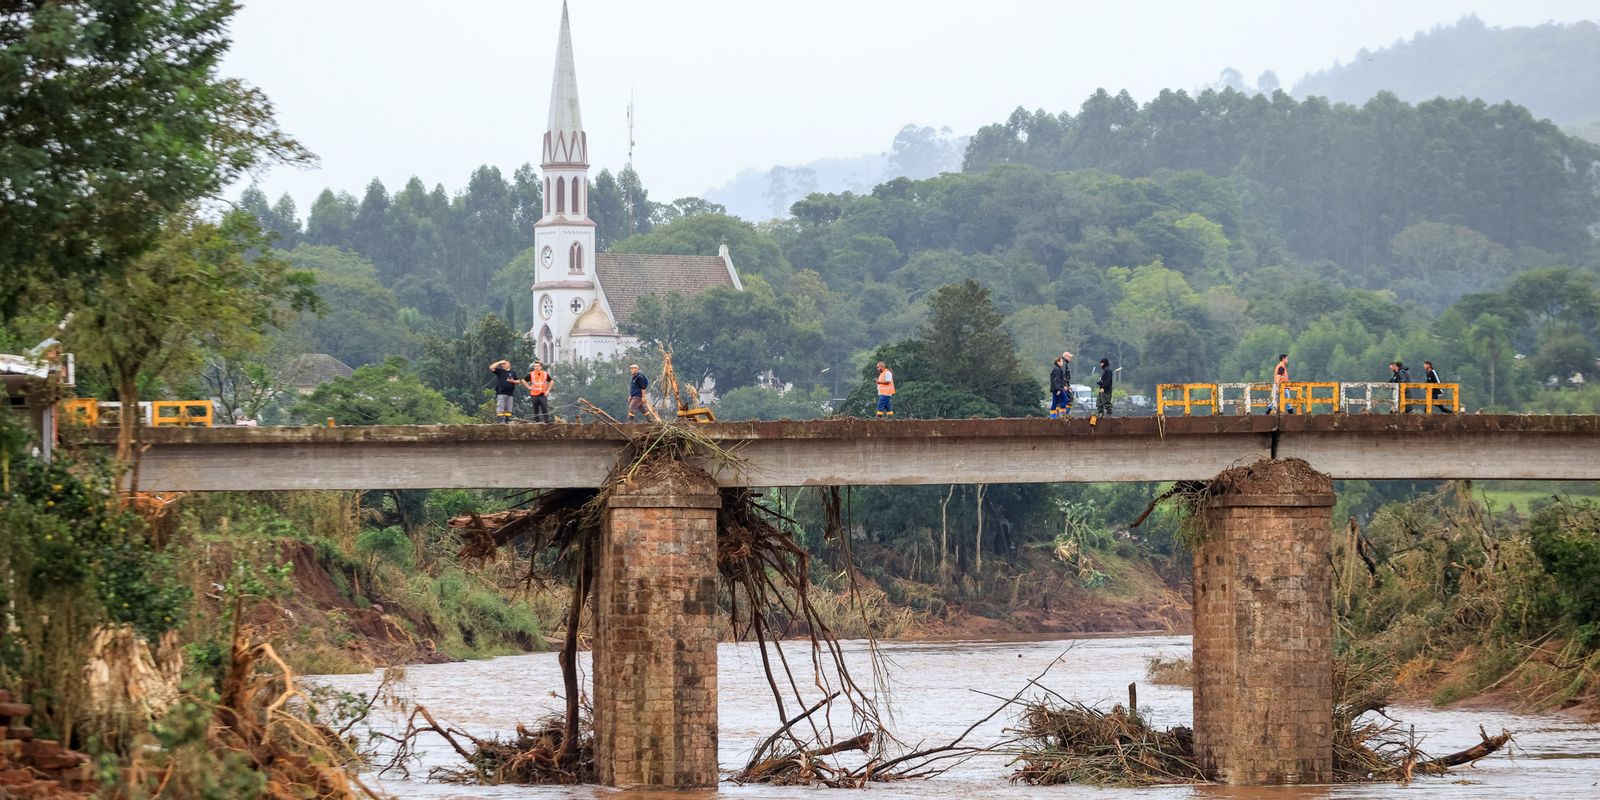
[[844, 452], [1263, 612]]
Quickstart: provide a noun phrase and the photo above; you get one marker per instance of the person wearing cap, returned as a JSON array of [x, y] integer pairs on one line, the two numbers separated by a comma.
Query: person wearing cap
[[885, 391], [505, 387], [636, 395], [539, 382], [1102, 403]]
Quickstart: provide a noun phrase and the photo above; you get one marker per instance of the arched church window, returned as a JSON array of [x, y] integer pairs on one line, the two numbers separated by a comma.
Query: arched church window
[[561, 195], [576, 209], [547, 195], [547, 345], [575, 263]]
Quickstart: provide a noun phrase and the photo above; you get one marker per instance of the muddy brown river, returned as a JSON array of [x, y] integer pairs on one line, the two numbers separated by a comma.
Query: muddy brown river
[[938, 689]]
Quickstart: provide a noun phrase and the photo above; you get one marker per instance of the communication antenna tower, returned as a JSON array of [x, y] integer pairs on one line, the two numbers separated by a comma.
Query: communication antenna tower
[[630, 127]]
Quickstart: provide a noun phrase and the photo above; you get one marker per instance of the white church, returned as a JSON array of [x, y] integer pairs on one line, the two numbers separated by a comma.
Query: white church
[[580, 296]]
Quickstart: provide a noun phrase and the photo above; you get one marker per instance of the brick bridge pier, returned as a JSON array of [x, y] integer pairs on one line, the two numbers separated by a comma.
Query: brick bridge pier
[[1263, 632], [1263, 628]]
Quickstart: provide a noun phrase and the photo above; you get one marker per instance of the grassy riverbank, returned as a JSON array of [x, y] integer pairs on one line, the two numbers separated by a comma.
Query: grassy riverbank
[[1462, 602]]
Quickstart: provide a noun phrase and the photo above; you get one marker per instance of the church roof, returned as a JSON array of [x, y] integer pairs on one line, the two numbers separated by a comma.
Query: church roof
[[626, 277], [310, 370], [564, 142], [593, 322]]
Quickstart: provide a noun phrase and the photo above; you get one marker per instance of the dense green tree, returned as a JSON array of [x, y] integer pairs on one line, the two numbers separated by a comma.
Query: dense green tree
[[387, 393], [737, 338], [116, 120], [206, 287], [760, 402], [360, 321], [457, 365]]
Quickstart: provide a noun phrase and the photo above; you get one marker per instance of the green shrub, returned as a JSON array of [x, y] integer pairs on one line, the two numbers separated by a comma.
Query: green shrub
[[391, 544]]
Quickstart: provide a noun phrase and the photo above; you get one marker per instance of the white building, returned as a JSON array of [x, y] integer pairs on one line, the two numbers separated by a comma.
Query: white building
[[580, 296]]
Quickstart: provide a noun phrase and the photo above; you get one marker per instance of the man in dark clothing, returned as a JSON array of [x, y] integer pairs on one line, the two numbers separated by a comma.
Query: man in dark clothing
[[637, 402], [505, 387], [1102, 403], [1399, 374], [1431, 376], [1061, 388]]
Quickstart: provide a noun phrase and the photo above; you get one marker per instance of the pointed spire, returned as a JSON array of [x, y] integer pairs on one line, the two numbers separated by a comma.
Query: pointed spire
[[564, 141]]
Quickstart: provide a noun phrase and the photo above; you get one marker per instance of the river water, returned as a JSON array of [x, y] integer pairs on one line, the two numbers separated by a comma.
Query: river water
[[936, 690]]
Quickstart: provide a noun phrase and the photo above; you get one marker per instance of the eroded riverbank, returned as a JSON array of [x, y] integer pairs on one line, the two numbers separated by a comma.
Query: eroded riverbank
[[935, 694]]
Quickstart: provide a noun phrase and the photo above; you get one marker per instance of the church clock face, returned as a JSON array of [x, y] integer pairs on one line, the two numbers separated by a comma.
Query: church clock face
[[547, 256], [547, 306]]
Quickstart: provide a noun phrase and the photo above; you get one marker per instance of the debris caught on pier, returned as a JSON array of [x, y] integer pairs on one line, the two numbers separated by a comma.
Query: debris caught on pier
[[765, 576], [1063, 741]]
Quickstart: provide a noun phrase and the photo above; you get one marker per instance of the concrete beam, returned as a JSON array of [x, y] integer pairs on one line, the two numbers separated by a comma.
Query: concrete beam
[[871, 452]]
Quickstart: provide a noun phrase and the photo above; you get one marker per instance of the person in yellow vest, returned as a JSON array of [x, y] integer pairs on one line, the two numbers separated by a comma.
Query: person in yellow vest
[[885, 391], [539, 383]]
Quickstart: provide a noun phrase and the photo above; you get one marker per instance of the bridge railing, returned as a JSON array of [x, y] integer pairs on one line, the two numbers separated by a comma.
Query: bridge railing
[[1306, 397], [1190, 397], [89, 412]]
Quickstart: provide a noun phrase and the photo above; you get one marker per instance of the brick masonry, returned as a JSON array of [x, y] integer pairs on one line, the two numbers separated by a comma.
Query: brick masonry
[[1263, 638], [655, 645]]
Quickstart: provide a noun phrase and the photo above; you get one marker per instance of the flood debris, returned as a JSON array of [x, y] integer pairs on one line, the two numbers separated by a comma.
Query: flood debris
[[1062, 741], [765, 578]]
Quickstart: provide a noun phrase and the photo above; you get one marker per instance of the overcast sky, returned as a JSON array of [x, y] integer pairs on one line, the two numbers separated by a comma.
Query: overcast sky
[[395, 88]]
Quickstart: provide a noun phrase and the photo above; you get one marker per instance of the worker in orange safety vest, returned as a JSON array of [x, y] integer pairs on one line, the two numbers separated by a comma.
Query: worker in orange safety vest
[[885, 391], [539, 383]]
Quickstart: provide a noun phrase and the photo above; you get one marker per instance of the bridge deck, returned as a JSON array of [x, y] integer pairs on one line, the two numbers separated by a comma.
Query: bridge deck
[[872, 452]]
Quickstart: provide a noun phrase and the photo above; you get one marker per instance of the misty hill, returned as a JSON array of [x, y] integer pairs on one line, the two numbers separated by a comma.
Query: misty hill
[[1553, 70], [917, 152]]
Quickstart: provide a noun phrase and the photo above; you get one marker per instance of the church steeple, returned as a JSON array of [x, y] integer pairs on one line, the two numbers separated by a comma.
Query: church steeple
[[564, 288], [564, 141]]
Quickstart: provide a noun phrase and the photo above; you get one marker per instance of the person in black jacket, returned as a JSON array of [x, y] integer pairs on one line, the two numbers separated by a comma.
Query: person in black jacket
[[1102, 403], [1058, 386], [1429, 375], [1399, 374]]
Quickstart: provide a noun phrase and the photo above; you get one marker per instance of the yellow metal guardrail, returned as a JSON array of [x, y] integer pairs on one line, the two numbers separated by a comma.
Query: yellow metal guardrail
[[82, 411], [88, 411], [1187, 396], [184, 413], [1304, 397], [1421, 395], [1307, 397]]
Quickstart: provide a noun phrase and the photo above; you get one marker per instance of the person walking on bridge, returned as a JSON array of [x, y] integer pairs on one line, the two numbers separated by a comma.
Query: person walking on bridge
[[637, 399], [885, 391], [1060, 391], [1430, 375], [1102, 403], [505, 388], [1280, 377], [1398, 374], [539, 382]]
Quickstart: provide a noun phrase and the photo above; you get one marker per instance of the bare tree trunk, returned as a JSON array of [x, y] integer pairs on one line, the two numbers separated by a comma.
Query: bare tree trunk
[[977, 547], [944, 536], [127, 427]]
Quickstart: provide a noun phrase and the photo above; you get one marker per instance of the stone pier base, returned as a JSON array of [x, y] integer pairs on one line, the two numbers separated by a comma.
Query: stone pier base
[[1263, 628], [655, 645]]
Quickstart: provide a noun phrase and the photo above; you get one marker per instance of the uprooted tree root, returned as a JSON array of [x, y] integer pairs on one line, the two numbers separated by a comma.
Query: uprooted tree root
[[260, 720], [766, 577]]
